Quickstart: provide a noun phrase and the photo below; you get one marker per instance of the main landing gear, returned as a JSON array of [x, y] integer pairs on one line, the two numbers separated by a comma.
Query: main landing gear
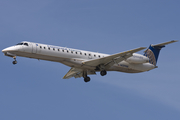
[[86, 78], [15, 61], [103, 72]]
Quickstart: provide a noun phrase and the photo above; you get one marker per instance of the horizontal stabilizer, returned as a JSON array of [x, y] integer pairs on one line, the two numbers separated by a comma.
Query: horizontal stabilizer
[[163, 44]]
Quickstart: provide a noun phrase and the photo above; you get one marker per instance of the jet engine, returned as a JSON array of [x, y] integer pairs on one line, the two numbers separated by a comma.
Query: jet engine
[[137, 59]]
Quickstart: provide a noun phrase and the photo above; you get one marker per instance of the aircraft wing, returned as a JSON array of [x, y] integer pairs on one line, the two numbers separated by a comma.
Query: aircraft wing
[[108, 61], [76, 72]]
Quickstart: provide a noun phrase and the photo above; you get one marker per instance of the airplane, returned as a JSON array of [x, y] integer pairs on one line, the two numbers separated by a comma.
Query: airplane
[[84, 63]]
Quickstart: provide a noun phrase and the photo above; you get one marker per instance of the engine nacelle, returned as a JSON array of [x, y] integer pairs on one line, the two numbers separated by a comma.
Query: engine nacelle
[[137, 59]]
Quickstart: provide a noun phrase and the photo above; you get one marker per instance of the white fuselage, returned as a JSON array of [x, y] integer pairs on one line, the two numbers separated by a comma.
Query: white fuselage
[[75, 58]]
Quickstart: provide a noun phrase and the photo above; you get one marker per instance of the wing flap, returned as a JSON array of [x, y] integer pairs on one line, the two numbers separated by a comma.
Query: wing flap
[[77, 73], [89, 72], [72, 72], [117, 60]]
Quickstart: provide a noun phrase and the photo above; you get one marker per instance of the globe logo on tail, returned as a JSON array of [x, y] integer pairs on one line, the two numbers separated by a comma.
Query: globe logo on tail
[[150, 55]]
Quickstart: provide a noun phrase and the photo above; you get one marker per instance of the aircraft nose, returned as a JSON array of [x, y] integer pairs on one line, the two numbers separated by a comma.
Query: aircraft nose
[[9, 49], [4, 50]]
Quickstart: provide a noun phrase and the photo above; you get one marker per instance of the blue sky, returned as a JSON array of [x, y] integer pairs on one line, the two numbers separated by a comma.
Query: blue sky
[[35, 89]]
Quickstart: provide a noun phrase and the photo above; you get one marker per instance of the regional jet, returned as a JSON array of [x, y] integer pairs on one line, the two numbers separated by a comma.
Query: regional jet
[[84, 63]]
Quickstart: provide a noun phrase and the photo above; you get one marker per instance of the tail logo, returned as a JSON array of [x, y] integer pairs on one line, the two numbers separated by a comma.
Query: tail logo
[[150, 55]]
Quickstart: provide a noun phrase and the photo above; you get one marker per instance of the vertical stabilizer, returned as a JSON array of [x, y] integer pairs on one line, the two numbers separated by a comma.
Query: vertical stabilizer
[[153, 51]]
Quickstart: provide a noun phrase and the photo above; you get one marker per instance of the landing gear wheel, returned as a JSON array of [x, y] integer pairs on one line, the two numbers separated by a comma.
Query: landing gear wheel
[[87, 79], [103, 73], [14, 62]]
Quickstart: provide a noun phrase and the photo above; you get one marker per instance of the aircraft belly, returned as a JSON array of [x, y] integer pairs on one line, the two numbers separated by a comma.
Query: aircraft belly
[[77, 65], [142, 67], [131, 68], [123, 69]]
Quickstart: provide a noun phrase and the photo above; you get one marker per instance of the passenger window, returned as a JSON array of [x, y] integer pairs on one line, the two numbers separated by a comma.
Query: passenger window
[[58, 49], [54, 49], [63, 50], [76, 52], [40, 47], [94, 55], [49, 48], [89, 54], [99, 56], [80, 53], [44, 47], [71, 51], [67, 51], [84, 53]]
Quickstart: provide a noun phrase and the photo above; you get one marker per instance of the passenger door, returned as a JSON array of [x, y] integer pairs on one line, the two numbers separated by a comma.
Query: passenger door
[[34, 48]]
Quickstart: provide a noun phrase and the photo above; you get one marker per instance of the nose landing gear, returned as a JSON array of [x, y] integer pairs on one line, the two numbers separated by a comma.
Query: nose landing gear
[[15, 61]]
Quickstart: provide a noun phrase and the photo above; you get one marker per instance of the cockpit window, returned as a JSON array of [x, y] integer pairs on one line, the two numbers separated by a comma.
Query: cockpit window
[[19, 44], [26, 44]]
